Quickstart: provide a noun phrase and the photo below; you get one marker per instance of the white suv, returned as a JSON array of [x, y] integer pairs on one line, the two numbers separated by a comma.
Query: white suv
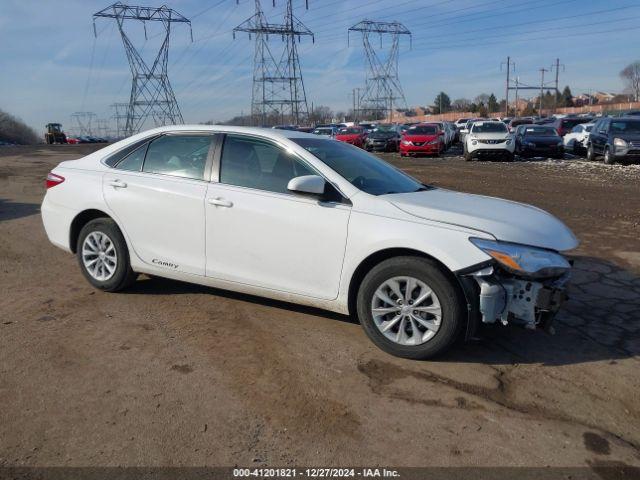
[[306, 219], [488, 139]]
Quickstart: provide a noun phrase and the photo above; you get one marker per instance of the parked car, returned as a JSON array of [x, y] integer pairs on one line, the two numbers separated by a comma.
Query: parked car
[[617, 139], [73, 140], [538, 141], [467, 126], [385, 137], [447, 131], [368, 127], [566, 124], [460, 123], [326, 131], [327, 225], [353, 135], [576, 140], [488, 140], [423, 138], [515, 122]]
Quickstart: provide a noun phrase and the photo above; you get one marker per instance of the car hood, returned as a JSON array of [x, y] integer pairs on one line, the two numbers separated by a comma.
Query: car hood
[[491, 136], [420, 138], [543, 139], [627, 137], [350, 136], [382, 135], [505, 220]]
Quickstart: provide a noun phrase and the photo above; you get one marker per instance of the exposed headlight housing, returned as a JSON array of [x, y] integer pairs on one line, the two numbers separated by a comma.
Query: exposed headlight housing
[[620, 143], [407, 142], [508, 141], [433, 142], [524, 260]]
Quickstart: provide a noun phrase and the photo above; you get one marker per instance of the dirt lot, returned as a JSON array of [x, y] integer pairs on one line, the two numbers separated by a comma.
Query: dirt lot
[[170, 374]]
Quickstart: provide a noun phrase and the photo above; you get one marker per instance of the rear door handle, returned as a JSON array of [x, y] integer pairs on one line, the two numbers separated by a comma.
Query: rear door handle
[[117, 183], [220, 202]]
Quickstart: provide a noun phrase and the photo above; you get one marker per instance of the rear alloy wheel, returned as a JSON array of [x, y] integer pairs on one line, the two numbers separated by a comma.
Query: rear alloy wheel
[[103, 256], [608, 158], [409, 308]]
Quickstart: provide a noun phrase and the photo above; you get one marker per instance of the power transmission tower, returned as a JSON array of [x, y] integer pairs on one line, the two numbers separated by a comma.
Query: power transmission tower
[[278, 92], [151, 92], [382, 83], [83, 122], [120, 116], [102, 127]]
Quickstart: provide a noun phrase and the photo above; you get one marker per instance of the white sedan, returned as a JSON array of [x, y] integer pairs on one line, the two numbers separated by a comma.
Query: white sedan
[[309, 220], [576, 140]]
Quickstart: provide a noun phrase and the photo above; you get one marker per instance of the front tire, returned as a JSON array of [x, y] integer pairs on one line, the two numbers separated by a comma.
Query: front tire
[[608, 158], [103, 256], [409, 308], [591, 154]]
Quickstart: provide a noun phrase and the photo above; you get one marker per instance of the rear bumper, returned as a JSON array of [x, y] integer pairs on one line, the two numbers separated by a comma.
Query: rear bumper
[[57, 223]]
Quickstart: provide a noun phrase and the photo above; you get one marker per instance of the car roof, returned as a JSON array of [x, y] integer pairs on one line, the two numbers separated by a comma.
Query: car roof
[[266, 131]]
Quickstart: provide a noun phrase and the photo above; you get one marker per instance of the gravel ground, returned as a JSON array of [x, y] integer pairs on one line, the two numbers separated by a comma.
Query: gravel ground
[[171, 374]]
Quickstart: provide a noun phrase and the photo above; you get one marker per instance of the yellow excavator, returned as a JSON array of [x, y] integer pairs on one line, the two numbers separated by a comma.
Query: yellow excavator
[[54, 134]]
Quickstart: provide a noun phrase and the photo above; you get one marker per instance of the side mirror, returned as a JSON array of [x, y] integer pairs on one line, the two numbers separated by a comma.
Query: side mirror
[[309, 184]]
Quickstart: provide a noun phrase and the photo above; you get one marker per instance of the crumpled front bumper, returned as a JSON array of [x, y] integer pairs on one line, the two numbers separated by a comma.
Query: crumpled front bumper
[[495, 296]]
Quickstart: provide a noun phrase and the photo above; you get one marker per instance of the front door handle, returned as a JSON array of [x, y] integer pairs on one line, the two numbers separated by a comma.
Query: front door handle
[[117, 183], [220, 202]]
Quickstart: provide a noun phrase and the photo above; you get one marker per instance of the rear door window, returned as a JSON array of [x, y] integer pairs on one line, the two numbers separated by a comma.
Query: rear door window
[[179, 155]]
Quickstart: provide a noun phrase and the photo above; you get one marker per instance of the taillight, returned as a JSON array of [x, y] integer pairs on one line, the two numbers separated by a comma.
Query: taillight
[[53, 180]]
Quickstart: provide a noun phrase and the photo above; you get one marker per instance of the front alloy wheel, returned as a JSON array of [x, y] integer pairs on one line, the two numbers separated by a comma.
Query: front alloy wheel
[[410, 307], [406, 311]]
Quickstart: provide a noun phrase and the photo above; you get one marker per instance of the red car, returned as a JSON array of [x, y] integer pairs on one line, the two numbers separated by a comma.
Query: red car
[[423, 138], [73, 140], [353, 135]]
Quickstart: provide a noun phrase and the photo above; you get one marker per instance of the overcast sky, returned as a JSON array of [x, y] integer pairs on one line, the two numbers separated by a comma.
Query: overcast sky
[[51, 65]]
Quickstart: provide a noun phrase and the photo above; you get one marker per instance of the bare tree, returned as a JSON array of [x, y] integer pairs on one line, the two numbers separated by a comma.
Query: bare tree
[[14, 130], [631, 76], [461, 104]]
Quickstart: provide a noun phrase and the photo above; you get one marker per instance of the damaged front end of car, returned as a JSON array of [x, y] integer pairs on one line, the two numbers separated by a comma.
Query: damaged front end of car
[[520, 285]]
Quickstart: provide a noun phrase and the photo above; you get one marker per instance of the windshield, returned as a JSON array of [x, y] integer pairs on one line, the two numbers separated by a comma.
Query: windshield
[[385, 128], [489, 127], [625, 126], [350, 131], [423, 130], [540, 131], [323, 131], [363, 170]]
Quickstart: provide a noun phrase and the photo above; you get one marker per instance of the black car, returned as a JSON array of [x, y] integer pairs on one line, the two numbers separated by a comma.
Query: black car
[[384, 138], [617, 139], [538, 141]]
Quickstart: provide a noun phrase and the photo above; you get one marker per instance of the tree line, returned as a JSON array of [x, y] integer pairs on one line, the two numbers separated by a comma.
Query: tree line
[[14, 130]]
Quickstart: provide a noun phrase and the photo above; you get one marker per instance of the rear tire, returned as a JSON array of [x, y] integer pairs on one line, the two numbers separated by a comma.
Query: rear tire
[[103, 256], [434, 332]]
